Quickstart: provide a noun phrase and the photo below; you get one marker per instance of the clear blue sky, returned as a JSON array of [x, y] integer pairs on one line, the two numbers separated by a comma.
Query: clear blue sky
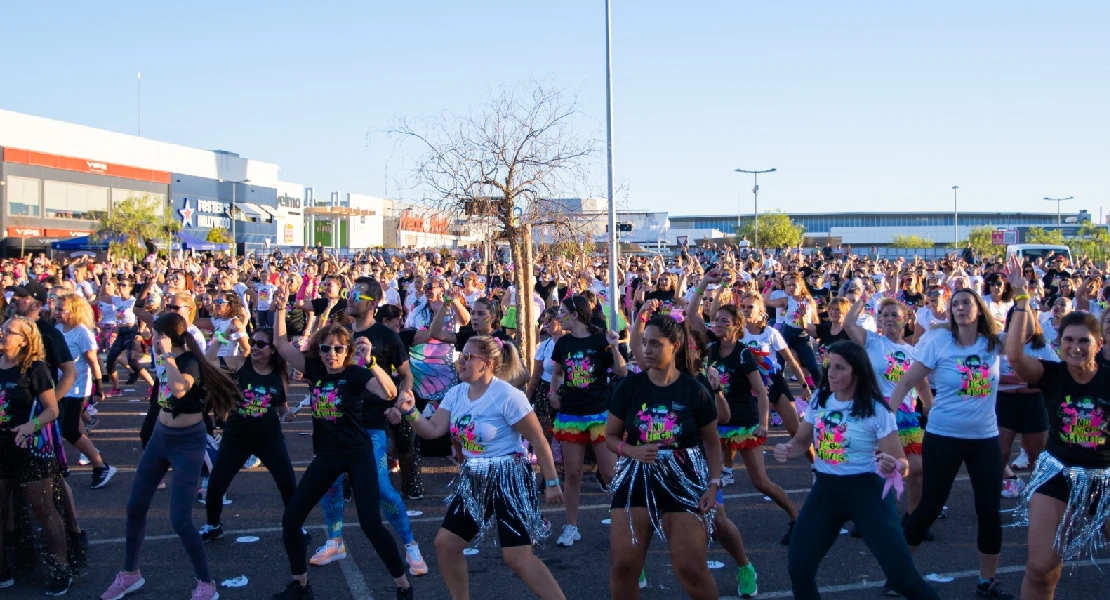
[[860, 105]]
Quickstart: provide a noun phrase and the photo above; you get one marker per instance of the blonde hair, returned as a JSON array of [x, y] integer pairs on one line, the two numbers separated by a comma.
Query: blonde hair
[[503, 356], [186, 299], [31, 352], [842, 303], [80, 313]]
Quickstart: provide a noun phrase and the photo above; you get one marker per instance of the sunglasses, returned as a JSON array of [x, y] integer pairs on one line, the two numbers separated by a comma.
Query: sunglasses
[[219, 301], [468, 356], [172, 307], [996, 284], [357, 296], [263, 344], [328, 349], [932, 294]]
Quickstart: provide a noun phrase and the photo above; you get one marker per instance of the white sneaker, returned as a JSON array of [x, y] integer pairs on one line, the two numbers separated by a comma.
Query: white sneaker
[[330, 552], [83, 460], [252, 462], [1022, 461], [569, 536], [727, 478], [417, 566]]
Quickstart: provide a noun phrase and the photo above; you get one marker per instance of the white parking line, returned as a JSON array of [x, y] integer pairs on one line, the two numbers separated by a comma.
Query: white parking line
[[356, 583]]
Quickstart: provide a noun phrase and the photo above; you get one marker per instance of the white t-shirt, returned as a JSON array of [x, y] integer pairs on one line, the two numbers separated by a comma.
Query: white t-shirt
[[79, 341], [927, 320], [265, 292], [891, 362], [765, 347], [998, 310], [846, 445], [484, 427], [967, 386], [124, 310], [543, 353], [107, 313], [1045, 353], [779, 317], [223, 335]]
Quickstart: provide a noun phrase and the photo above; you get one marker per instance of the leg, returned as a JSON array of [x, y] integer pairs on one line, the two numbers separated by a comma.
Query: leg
[[821, 518], [913, 483], [275, 457], [332, 507], [573, 455], [71, 409], [40, 495], [364, 480], [456, 532], [877, 521], [1034, 444], [757, 472], [940, 462], [606, 460], [392, 506], [688, 541], [230, 459], [532, 572], [1044, 566], [984, 469], [808, 361], [147, 430], [408, 454], [626, 559], [314, 483], [152, 467], [186, 453], [728, 535]]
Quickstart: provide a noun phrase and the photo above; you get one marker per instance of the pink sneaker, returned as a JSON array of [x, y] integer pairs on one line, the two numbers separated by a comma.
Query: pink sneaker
[[206, 591], [123, 585]]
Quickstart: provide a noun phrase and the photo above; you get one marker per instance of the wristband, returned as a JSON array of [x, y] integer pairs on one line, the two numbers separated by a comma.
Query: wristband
[[619, 447], [410, 416], [645, 317], [716, 482], [1021, 297], [38, 426], [552, 482]]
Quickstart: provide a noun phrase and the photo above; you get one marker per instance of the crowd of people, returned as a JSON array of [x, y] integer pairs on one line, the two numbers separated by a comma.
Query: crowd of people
[[885, 374]]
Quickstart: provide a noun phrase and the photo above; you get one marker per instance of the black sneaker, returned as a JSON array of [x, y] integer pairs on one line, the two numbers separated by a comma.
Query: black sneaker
[[133, 378], [889, 591], [601, 483], [59, 582], [404, 593], [211, 532], [101, 476], [785, 541], [992, 589], [295, 591]]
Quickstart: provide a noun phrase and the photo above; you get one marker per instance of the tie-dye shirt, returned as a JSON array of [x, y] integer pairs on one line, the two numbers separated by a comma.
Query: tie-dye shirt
[[1078, 416], [670, 416], [846, 445], [967, 385]]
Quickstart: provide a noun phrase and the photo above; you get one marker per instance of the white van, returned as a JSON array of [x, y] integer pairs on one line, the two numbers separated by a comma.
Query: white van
[[1032, 252]]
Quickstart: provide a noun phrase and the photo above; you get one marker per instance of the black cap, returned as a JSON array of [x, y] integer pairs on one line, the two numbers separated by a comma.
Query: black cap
[[32, 288]]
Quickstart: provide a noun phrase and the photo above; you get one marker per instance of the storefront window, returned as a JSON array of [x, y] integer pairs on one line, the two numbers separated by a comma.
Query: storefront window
[[74, 201], [23, 196], [119, 195]]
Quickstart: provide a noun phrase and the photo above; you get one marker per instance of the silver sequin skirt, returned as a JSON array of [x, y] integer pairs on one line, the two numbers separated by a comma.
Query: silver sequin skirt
[[675, 482], [507, 480], [1080, 532]]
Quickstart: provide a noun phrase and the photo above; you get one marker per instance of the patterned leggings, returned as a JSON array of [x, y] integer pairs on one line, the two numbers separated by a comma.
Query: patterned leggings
[[392, 506]]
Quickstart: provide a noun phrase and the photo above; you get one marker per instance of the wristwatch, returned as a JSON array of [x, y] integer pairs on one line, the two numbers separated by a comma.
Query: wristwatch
[[552, 482]]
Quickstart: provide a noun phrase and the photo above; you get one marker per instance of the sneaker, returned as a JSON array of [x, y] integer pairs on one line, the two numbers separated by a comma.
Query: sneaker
[[727, 478], [113, 393], [405, 593], [330, 552], [601, 483], [252, 462], [92, 423], [162, 484], [205, 590], [1012, 488], [91, 410], [414, 496], [745, 581], [102, 476], [59, 582], [643, 579], [785, 541], [83, 460], [1022, 461], [992, 589], [123, 585], [211, 532], [417, 566], [6, 579], [202, 495], [776, 420], [394, 465], [569, 536], [295, 591], [890, 591]]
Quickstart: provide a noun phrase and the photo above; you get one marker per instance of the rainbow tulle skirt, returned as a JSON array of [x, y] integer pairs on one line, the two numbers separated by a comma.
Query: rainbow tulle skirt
[[580, 429], [739, 438]]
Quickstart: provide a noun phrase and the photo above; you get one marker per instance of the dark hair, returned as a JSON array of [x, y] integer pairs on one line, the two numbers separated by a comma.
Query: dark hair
[[373, 288], [579, 306], [1083, 319], [222, 394], [984, 322], [337, 331], [867, 386], [1036, 340], [388, 312], [1007, 292], [677, 334], [277, 362]]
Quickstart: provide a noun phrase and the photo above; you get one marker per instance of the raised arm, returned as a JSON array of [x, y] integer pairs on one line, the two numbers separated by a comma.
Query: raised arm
[[288, 351], [851, 321], [1026, 367], [693, 309]]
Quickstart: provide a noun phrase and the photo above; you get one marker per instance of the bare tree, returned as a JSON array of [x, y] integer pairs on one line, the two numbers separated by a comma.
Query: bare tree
[[507, 162]]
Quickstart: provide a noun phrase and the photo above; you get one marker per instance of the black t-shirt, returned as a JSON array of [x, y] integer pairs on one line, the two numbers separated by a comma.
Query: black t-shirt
[[671, 417], [18, 391], [261, 396], [193, 400], [336, 400], [826, 338], [585, 362], [1101, 360], [544, 289], [391, 353], [320, 306], [466, 332], [821, 296], [913, 300], [734, 370], [1078, 416], [1051, 281], [295, 319], [54, 347]]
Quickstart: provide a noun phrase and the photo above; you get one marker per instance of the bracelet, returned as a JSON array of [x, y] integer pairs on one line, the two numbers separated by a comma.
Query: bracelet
[[552, 482], [38, 426], [716, 482], [1021, 297], [645, 317], [410, 416], [619, 447]]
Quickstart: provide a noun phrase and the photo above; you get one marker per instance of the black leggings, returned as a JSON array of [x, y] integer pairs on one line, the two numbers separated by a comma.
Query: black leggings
[[941, 457], [319, 476], [234, 450], [125, 337], [834, 500], [71, 409]]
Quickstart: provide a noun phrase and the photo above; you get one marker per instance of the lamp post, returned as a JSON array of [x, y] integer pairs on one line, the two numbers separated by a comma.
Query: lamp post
[[755, 192], [231, 213], [955, 217], [1059, 221], [614, 249]]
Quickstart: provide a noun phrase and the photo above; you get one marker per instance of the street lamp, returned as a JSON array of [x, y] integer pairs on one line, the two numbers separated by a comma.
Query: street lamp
[[955, 216], [231, 213], [755, 191], [1058, 201]]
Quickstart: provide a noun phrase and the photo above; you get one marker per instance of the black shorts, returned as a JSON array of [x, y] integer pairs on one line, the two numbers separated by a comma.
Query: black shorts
[[23, 465], [778, 389], [1023, 413], [633, 493], [1060, 488], [511, 529]]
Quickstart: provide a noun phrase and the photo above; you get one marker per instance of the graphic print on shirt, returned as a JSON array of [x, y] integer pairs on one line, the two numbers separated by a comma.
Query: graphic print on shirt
[[580, 370], [795, 316], [4, 416], [256, 401], [658, 425], [763, 361], [975, 376], [724, 377], [165, 396], [462, 429], [325, 401], [1082, 423], [831, 443]]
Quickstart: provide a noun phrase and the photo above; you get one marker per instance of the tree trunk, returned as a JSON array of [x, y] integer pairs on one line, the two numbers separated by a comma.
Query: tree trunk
[[521, 268]]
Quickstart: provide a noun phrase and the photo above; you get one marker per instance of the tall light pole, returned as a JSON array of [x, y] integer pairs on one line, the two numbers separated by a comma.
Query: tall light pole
[[1059, 221], [231, 213], [755, 191], [614, 249], [955, 216]]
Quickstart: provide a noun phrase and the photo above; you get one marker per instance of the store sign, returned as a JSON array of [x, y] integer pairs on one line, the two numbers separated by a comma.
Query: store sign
[[288, 233], [287, 201], [1004, 237], [83, 165], [24, 232], [410, 222], [210, 214]]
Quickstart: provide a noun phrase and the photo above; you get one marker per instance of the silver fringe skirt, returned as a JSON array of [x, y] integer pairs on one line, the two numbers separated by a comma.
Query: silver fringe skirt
[[1080, 532], [678, 478], [509, 480]]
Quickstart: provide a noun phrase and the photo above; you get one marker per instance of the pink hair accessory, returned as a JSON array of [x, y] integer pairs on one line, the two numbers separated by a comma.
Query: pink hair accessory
[[678, 315], [500, 343]]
